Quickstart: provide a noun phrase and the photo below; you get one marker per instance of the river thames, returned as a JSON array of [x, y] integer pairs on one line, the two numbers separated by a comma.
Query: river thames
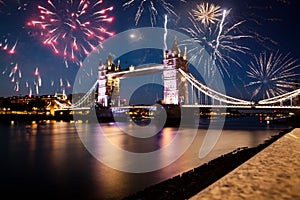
[[49, 159]]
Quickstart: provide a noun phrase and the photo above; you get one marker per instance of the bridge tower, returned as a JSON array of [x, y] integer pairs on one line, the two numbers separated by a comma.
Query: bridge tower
[[175, 85], [108, 87]]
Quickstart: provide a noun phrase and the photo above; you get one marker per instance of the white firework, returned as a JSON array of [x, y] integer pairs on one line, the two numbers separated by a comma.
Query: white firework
[[272, 74], [221, 40], [207, 13]]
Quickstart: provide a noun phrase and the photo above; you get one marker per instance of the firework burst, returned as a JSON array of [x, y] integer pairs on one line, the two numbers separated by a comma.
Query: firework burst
[[152, 7], [207, 13], [72, 28], [272, 74], [220, 39]]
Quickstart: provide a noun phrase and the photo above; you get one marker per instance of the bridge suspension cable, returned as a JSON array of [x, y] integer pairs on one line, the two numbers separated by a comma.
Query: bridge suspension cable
[[212, 93], [85, 97], [280, 98], [81, 100]]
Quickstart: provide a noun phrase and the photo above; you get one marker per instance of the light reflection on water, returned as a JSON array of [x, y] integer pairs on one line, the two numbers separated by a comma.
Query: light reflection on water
[[50, 159]]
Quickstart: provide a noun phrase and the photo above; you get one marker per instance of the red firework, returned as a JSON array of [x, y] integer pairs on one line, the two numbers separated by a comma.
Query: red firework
[[72, 28]]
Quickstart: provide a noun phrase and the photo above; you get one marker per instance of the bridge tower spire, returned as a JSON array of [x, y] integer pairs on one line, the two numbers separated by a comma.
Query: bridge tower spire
[[175, 86]]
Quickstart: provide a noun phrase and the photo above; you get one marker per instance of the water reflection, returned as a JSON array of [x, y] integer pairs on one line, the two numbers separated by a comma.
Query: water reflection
[[50, 159], [131, 154]]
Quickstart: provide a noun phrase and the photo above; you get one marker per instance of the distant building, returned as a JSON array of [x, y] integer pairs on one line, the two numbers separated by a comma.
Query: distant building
[[45, 104], [62, 96]]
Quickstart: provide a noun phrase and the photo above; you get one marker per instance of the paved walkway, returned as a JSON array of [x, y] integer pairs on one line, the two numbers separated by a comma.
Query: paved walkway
[[274, 173]]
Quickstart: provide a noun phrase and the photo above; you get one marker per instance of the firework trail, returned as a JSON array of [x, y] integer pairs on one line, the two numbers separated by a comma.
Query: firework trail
[[72, 28], [37, 80], [260, 14], [36, 72], [12, 36], [272, 74], [220, 29], [4, 71], [61, 82], [68, 84], [151, 5], [220, 39], [15, 76], [30, 93], [17, 87], [37, 88], [4, 45], [166, 32]]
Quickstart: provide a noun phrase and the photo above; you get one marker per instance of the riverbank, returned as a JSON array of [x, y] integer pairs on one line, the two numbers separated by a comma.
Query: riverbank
[[190, 183]]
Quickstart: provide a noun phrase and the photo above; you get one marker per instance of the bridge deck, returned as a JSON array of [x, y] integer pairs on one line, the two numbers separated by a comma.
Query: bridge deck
[[153, 107]]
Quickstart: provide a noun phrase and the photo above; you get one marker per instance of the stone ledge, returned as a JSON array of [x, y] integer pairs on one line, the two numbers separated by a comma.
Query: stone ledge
[[274, 173]]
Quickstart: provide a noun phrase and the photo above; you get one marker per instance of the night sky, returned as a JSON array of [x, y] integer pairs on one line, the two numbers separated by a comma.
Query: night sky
[[273, 24]]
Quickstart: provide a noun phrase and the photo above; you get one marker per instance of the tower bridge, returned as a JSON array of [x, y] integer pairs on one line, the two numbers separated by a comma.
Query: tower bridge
[[175, 85], [177, 80]]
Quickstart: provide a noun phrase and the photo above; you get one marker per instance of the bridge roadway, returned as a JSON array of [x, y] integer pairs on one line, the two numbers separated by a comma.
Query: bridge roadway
[[153, 107]]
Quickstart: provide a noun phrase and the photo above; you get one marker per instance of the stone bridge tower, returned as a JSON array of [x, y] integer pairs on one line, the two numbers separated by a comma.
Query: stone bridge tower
[[175, 85], [108, 87]]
